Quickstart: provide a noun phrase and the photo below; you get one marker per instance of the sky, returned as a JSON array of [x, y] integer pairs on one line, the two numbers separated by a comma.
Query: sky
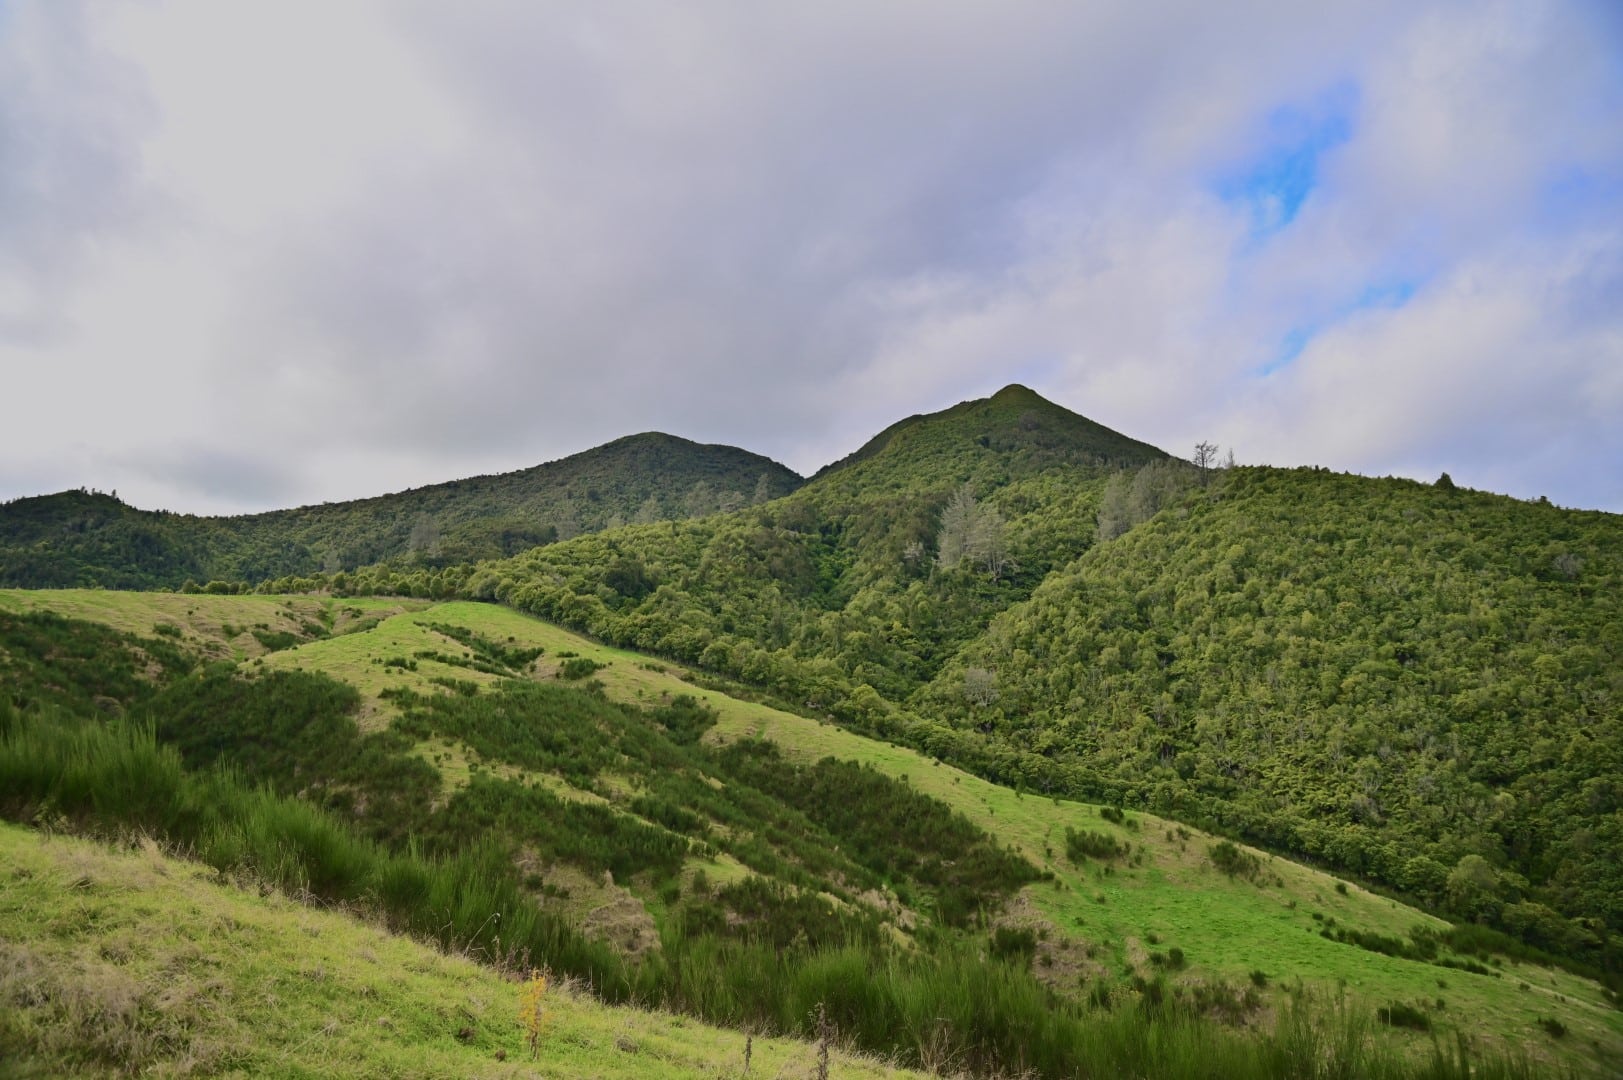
[[256, 255]]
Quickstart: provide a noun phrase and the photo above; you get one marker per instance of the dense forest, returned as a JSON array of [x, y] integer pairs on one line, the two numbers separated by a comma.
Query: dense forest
[[81, 538], [1415, 683]]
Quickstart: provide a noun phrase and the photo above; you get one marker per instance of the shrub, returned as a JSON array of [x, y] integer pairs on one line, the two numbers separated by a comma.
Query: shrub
[[1089, 844], [578, 667], [1234, 861], [1399, 1014]]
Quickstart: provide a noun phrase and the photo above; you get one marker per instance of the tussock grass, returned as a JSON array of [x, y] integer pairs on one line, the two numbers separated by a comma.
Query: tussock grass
[[122, 960]]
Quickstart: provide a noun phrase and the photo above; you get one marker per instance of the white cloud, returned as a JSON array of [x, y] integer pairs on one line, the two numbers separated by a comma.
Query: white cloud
[[342, 247]]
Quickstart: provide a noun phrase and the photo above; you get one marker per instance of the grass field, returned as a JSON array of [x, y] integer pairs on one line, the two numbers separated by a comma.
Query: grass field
[[118, 961], [1100, 922]]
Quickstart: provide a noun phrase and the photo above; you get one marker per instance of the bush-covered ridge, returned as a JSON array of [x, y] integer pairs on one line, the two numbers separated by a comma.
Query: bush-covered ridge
[[80, 538], [1415, 684]]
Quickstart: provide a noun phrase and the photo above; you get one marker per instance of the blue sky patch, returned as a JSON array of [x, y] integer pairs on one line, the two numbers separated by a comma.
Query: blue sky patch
[[1390, 295], [1274, 184]]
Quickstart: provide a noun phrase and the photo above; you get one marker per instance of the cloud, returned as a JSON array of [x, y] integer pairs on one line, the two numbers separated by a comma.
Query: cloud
[[374, 245]]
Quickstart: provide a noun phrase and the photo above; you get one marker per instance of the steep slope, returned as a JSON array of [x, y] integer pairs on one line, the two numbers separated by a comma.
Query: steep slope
[[857, 587], [85, 539], [1414, 683]]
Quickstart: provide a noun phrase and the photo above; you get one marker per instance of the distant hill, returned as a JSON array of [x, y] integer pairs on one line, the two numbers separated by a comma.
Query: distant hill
[[1016, 427], [77, 538], [845, 583]]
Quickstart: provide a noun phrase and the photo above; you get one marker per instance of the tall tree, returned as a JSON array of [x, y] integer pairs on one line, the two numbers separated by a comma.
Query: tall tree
[[1205, 460], [953, 542]]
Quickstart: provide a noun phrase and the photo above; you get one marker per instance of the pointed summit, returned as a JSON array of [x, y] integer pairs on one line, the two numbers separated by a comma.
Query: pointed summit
[[1015, 432]]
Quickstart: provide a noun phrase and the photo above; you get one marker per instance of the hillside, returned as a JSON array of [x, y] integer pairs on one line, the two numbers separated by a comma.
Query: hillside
[[839, 596], [77, 539], [1264, 949], [1411, 682], [118, 960], [1266, 654]]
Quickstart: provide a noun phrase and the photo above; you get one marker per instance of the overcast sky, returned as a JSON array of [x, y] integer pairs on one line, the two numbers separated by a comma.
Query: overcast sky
[[259, 254]]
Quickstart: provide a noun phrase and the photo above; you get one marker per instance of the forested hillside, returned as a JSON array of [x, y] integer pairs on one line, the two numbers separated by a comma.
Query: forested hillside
[[76, 538], [1413, 682], [850, 594]]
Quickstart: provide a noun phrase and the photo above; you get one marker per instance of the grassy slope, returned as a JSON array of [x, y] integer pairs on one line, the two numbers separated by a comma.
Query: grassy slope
[[215, 626], [121, 961], [1227, 928]]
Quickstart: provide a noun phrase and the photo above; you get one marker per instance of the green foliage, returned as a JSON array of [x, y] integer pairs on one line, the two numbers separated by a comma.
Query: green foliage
[[117, 780], [578, 667], [861, 809], [760, 952], [1080, 846], [1412, 684], [1234, 861], [1404, 1015], [78, 538], [48, 660], [831, 599]]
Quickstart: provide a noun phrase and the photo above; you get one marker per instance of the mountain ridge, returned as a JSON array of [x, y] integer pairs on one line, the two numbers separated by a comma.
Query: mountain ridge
[[77, 538]]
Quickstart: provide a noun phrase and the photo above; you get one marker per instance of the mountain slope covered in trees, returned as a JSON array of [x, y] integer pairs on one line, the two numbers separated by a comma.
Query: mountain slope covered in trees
[[1415, 683], [1412, 683], [841, 596], [78, 538]]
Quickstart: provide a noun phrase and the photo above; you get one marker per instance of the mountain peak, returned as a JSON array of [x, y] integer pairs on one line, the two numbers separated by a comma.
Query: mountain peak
[[1017, 391], [1016, 426]]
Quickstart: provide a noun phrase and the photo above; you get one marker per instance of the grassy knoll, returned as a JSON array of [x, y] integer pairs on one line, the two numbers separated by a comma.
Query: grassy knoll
[[120, 960]]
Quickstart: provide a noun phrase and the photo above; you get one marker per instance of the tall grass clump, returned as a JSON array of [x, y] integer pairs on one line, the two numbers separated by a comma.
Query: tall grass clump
[[111, 781]]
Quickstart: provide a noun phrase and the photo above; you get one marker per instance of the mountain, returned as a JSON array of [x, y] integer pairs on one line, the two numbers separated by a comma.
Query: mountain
[[839, 596], [1415, 684], [77, 538]]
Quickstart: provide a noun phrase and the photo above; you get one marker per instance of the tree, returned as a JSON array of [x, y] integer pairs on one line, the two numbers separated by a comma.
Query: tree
[[763, 490], [957, 528], [699, 501], [980, 687], [986, 541], [1115, 517], [425, 534], [648, 513], [1205, 460]]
